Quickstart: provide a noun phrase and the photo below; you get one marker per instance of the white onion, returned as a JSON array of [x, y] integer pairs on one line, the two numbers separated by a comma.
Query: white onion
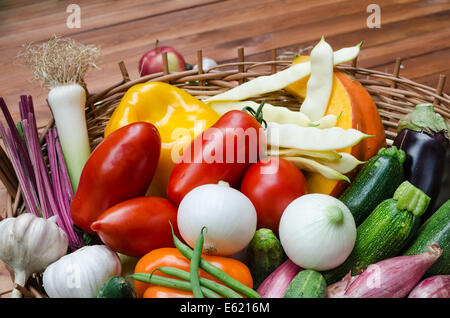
[[229, 216], [317, 231]]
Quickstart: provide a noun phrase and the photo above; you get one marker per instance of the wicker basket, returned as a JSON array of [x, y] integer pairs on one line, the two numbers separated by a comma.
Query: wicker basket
[[394, 96]]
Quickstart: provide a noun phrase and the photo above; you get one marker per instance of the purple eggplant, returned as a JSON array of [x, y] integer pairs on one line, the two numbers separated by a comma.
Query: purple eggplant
[[424, 137]]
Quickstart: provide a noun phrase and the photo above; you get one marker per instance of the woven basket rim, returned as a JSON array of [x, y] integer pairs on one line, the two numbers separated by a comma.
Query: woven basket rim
[[390, 91]]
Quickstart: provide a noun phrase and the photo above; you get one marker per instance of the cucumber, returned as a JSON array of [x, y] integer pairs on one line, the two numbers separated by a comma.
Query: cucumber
[[307, 284], [435, 230], [376, 182], [385, 232], [264, 255], [117, 287]]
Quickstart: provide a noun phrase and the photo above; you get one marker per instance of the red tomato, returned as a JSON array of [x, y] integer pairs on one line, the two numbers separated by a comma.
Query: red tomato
[[120, 168], [137, 226], [210, 159], [271, 184]]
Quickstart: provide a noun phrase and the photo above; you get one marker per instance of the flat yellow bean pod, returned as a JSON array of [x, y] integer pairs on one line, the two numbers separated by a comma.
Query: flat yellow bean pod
[[318, 88], [291, 152], [327, 121], [266, 84], [345, 164], [312, 138], [314, 166], [277, 114]]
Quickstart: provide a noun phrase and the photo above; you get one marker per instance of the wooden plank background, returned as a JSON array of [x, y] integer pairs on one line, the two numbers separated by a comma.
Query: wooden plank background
[[417, 31]]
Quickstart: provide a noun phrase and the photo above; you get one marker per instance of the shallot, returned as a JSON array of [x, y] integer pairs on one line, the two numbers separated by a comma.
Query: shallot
[[432, 287], [394, 277], [337, 290], [276, 283]]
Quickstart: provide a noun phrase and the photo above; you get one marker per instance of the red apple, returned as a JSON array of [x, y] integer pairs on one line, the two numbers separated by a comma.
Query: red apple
[[152, 62]]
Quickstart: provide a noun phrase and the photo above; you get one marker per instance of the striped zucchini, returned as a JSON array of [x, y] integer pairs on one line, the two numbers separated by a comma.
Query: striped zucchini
[[435, 230], [376, 182]]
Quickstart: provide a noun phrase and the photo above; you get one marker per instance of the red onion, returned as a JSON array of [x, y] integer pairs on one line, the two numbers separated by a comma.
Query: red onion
[[278, 281], [337, 290], [394, 277], [432, 287]]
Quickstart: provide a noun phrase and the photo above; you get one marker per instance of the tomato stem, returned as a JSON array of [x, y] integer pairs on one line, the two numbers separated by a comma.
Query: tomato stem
[[258, 114]]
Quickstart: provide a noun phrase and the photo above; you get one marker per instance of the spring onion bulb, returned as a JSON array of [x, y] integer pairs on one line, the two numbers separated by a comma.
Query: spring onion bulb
[[317, 231], [320, 83], [62, 64], [67, 103]]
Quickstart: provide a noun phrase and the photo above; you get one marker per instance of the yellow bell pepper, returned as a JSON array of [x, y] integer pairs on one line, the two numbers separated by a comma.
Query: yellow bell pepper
[[168, 108]]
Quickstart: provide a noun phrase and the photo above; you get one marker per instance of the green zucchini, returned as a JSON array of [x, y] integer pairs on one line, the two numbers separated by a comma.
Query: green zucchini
[[307, 284], [385, 232], [376, 182], [117, 287], [264, 255], [435, 230]]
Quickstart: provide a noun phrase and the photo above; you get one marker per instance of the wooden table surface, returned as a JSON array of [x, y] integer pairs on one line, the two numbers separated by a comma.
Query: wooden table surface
[[417, 31]]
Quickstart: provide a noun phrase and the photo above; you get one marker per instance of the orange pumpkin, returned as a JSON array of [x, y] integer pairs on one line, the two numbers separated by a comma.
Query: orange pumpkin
[[356, 108], [173, 258]]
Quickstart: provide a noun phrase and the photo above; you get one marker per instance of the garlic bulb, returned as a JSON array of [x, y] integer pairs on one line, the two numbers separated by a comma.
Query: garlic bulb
[[82, 273], [28, 244], [207, 63]]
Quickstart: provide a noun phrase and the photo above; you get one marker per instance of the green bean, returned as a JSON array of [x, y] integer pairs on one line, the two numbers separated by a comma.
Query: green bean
[[193, 267], [172, 283], [187, 252], [215, 286]]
